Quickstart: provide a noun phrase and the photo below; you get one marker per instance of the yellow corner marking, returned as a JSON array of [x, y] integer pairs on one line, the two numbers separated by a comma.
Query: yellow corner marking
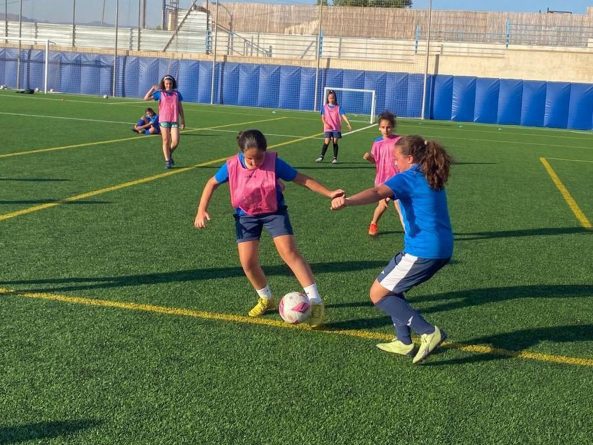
[[233, 318], [113, 141], [566, 195]]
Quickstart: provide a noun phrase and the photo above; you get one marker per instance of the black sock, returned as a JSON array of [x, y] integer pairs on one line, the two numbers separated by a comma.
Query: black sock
[[323, 150], [336, 151]]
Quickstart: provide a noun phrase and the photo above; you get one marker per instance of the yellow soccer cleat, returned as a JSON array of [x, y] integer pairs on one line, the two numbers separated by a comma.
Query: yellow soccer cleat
[[397, 347], [263, 305], [317, 313], [428, 343]]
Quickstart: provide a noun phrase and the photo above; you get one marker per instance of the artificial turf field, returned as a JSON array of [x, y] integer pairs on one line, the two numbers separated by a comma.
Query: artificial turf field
[[122, 324]]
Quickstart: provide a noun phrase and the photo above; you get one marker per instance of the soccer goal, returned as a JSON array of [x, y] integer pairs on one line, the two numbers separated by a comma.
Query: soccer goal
[[356, 102], [27, 64]]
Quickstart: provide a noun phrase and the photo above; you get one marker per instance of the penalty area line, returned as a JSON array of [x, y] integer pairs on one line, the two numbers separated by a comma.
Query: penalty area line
[[234, 318]]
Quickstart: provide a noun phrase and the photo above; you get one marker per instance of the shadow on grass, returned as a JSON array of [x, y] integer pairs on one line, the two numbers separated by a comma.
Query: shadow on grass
[[216, 273], [522, 233], [44, 430], [514, 342]]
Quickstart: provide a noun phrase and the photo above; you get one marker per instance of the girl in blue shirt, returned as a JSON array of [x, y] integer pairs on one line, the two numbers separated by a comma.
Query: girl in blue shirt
[[428, 240]]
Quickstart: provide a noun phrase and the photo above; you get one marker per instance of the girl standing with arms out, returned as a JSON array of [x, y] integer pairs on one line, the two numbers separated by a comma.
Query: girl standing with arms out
[[256, 194], [381, 155], [171, 115], [428, 241], [331, 116]]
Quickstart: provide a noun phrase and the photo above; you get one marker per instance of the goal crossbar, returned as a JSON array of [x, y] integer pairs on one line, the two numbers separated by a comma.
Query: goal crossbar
[[357, 90]]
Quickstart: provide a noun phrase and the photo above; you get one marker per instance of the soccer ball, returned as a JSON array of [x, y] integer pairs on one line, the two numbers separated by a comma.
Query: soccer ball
[[294, 308], [2, 87], [104, 96]]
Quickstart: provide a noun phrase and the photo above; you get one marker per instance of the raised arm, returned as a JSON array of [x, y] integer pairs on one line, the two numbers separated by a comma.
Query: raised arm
[[202, 216], [317, 187], [148, 95], [367, 196]]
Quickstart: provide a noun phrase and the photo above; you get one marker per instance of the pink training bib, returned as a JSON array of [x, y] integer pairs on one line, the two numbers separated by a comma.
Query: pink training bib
[[332, 118], [253, 191], [169, 106], [382, 151]]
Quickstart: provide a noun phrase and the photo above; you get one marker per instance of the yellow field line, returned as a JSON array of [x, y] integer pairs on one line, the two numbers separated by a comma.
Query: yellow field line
[[112, 141], [233, 318], [570, 160], [129, 183], [572, 204]]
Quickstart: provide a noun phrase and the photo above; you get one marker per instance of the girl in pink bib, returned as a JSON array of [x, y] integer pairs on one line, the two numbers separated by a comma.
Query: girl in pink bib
[[382, 155], [331, 116], [254, 176], [171, 115]]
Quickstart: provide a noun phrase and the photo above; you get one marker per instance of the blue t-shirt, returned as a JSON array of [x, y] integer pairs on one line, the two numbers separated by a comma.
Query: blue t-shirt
[[157, 95], [284, 171], [426, 217]]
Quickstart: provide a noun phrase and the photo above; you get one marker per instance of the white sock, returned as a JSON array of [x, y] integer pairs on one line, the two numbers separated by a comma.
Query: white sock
[[265, 293], [313, 294]]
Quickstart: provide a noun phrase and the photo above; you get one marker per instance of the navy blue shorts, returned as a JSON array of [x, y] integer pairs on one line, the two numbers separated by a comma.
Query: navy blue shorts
[[249, 228], [332, 134], [405, 271]]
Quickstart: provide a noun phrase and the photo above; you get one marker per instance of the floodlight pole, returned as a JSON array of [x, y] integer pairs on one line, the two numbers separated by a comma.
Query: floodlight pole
[[424, 88], [18, 60], [113, 87], [73, 23], [318, 55], [214, 56]]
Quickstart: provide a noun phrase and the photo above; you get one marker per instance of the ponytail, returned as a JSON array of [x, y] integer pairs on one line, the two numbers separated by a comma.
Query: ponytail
[[431, 157]]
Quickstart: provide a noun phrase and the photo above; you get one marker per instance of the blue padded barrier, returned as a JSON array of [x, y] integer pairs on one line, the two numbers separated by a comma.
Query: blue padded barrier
[[533, 103], [557, 101], [2, 65], [415, 91], [375, 81], [396, 94], [463, 98], [70, 73], [10, 58], [268, 86], [580, 108], [510, 97], [486, 108], [248, 85], [443, 98], [353, 102], [289, 87], [148, 75], [187, 80], [230, 84], [307, 90], [132, 70], [35, 70], [204, 81]]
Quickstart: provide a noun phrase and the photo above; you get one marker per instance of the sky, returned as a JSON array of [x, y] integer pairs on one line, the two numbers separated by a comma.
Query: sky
[[61, 11]]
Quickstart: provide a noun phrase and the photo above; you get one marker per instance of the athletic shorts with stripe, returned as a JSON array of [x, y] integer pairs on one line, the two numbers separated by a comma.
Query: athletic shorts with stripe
[[405, 271]]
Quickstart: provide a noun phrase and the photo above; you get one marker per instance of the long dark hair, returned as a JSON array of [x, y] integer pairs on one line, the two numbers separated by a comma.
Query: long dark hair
[[431, 156], [252, 139], [168, 77], [327, 97]]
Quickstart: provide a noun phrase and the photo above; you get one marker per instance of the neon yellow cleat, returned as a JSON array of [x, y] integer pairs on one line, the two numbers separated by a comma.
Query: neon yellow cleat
[[317, 313], [263, 305], [429, 342], [397, 347]]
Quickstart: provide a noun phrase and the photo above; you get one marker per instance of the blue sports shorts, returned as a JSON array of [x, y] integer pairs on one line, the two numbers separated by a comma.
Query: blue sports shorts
[[405, 271], [332, 134], [249, 228]]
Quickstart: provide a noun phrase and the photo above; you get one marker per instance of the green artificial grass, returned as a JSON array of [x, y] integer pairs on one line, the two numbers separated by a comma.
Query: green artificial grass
[[519, 282]]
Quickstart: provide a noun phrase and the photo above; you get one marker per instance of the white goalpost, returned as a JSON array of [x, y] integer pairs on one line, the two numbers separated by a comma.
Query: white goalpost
[[356, 100], [22, 63]]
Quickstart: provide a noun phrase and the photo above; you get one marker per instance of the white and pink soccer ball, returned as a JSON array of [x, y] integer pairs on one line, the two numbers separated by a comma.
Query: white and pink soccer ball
[[294, 308]]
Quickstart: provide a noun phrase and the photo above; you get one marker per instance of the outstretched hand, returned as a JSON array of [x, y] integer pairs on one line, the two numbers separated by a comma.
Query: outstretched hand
[[201, 218], [338, 202], [335, 193]]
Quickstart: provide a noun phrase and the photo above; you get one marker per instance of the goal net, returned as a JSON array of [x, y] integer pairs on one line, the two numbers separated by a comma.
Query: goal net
[[28, 64], [358, 103]]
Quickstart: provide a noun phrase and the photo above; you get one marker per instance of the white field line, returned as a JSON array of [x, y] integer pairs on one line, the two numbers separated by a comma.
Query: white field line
[[66, 118]]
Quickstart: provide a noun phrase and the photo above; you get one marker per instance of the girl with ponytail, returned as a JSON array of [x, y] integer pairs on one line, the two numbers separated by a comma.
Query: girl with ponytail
[[428, 241]]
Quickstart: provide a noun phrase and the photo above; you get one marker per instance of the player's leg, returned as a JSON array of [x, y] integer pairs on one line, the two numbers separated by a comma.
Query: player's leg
[[377, 213], [174, 138], [166, 145], [323, 148], [336, 148]]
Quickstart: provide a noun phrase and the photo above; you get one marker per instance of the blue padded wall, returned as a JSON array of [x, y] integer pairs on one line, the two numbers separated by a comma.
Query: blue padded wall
[[269, 86], [533, 103], [510, 98], [307, 89], [396, 93], [353, 102], [580, 108], [376, 81], [148, 75], [557, 101], [230, 84], [248, 85], [187, 80], [289, 87], [463, 98], [204, 82], [486, 107], [443, 98]]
